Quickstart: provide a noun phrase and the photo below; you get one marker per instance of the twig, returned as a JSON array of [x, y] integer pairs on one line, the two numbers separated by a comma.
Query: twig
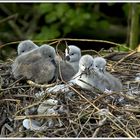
[[16, 28], [12, 100], [39, 85], [35, 116], [101, 123], [85, 123], [21, 96], [29, 106], [68, 39], [16, 82], [8, 18], [14, 87], [91, 51], [133, 52]]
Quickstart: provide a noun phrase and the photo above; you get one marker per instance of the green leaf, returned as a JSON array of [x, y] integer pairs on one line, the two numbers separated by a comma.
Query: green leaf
[[45, 8], [50, 17], [86, 16], [61, 9], [126, 9], [66, 29], [104, 24], [48, 33]]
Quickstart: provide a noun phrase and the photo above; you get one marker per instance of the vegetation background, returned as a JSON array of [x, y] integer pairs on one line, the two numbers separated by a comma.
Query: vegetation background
[[117, 22]]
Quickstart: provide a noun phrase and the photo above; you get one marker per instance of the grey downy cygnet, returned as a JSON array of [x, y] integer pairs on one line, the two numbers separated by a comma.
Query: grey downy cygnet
[[37, 65], [65, 71], [73, 55], [85, 78], [26, 46], [105, 80]]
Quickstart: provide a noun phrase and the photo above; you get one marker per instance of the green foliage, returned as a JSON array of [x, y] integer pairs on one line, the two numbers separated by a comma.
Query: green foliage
[[17, 21], [63, 18], [43, 21], [123, 48], [126, 9], [48, 33], [55, 20], [104, 24]]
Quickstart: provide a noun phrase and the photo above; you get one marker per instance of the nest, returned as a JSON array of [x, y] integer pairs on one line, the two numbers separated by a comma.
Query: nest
[[85, 113]]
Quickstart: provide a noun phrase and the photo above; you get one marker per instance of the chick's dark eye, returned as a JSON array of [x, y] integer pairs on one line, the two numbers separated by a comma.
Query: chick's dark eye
[[72, 54], [50, 56]]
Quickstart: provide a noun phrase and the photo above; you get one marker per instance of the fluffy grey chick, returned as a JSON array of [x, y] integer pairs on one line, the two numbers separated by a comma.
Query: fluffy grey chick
[[85, 78], [73, 55], [105, 80], [65, 70], [26, 46], [37, 65]]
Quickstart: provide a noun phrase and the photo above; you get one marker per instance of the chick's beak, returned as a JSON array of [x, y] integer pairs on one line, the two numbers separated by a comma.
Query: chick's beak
[[101, 70], [86, 71], [67, 58], [53, 62]]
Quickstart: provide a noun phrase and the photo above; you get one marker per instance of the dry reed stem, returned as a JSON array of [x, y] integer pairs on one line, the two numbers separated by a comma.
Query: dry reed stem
[[133, 52], [35, 116], [40, 85], [67, 39]]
